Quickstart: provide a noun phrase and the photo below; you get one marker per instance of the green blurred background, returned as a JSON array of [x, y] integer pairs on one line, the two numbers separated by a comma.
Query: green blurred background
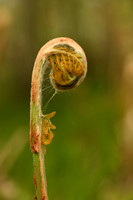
[[91, 155]]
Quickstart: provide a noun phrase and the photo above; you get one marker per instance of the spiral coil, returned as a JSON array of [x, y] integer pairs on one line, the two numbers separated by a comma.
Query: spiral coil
[[67, 67]]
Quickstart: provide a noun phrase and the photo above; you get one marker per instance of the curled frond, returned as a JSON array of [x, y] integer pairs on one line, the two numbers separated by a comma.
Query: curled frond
[[68, 68]]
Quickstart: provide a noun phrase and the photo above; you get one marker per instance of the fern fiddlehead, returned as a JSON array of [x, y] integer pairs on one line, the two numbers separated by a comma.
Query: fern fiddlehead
[[68, 66]]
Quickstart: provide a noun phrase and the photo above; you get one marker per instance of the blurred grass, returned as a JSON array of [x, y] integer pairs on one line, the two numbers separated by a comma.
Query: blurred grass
[[88, 157], [84, 154]]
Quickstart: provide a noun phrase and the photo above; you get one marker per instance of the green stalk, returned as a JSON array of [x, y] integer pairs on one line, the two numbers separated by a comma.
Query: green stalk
[[36, 123]]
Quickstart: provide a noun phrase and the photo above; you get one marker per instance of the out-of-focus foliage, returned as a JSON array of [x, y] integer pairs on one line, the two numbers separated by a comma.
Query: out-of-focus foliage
[[91, 155]]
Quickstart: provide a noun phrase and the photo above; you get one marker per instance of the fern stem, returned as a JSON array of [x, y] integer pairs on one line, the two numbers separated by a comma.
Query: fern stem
[[35, 134]]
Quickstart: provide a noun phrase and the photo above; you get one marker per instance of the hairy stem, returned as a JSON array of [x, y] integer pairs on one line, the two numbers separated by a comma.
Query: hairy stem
[[36, 146]]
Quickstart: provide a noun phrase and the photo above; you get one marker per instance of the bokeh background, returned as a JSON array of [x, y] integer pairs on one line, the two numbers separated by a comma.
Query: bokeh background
[[91, 155]]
